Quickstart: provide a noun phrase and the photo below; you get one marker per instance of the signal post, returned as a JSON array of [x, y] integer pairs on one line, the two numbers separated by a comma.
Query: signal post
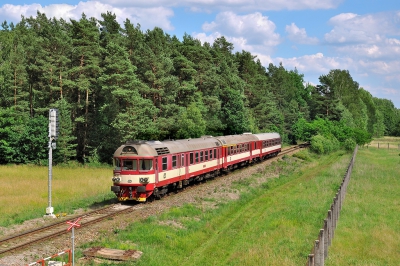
[[53, 135]]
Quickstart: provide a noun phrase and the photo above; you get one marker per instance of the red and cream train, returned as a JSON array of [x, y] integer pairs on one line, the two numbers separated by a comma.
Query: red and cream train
[[151, 168]]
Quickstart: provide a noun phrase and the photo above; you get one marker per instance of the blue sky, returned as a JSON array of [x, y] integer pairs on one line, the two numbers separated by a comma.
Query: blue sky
[[314, 36]]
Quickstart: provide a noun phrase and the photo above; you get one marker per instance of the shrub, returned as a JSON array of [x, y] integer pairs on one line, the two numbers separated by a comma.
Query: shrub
[[303, 155], [323, 145], [317, 144], [349, 144]]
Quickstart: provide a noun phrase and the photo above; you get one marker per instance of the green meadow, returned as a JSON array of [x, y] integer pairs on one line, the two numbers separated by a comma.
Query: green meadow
[[24, 190], [274, 222], [368, 231]]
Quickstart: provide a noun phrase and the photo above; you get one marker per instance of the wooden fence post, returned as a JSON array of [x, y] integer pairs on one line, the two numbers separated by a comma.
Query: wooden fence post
[[311, 260], [317, 254], [321, 247]]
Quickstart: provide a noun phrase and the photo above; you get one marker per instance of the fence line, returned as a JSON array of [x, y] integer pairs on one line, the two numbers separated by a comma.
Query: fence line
[[320, 250], [379, 145]]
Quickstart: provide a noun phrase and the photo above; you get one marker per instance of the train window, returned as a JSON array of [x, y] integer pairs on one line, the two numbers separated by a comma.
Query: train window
[[191, 158], [215, 153], [182, 160], [211, 155], [164, 163], [117, 164], [173, 161], [201, 156], [145, 164], [130, 164], [205, 155], [197, 157]]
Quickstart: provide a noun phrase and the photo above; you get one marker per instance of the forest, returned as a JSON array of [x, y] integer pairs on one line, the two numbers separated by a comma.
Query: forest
[[112, 83]]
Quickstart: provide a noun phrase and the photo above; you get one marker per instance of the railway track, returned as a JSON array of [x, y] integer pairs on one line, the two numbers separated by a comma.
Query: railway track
[[24, 239], [293, 148], [16, 242]]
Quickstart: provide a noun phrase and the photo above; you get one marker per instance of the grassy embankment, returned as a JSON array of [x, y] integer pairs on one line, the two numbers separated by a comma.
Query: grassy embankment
[[368, 231], [274, 223], [24, 190]]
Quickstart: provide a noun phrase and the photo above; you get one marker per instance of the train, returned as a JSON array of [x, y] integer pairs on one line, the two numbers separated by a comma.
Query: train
[[145, 170]]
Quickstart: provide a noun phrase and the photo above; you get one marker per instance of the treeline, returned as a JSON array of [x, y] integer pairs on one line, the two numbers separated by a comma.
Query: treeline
[[112, 83]]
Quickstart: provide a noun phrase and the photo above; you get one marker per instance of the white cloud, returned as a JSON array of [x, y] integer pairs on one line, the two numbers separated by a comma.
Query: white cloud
[[315, 63], [366, 29], [297, 35], [252, 32], [147, 17], [236, 5]]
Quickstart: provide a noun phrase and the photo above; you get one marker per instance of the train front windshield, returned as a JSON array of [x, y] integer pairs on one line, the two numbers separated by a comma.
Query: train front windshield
[[133, 164], [145, 164]]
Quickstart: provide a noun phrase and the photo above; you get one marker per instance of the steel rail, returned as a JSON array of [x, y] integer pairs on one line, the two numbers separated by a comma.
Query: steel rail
[[19, 241]]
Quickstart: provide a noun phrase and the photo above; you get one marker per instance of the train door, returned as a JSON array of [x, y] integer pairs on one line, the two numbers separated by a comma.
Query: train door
[[156, 170], [182, 166], [187, 163]]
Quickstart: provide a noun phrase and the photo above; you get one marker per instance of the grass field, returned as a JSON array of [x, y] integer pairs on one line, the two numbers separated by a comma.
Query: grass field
[[368, 231], [24, 190], [385, 143], [273, 224]]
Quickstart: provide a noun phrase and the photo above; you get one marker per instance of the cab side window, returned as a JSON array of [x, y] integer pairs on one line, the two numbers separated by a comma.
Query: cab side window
[[164, 163]]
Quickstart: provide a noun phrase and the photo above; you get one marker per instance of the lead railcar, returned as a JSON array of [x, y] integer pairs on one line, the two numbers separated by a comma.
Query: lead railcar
[[150, 168]]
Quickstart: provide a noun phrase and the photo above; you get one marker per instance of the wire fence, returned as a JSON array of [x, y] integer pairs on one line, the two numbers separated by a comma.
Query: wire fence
[[383, 145], [320, 249]]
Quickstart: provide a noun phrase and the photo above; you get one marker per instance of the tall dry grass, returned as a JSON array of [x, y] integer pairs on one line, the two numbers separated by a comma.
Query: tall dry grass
[[385, 143], [24, 190]]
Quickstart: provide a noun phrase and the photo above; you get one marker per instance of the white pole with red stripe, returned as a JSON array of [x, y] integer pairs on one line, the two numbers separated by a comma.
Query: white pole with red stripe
[[72, 226]]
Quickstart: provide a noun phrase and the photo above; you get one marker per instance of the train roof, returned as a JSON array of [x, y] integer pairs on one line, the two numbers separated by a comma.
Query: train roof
[[154, 147], [265, 136], [234, 139]]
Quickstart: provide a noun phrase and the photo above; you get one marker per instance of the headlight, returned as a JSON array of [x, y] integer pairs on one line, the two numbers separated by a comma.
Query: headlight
[[144, 180], [116, 179]]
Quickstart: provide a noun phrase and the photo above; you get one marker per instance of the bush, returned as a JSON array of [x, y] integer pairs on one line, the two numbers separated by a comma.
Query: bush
[[317, 144], [322, 145], [303, 155], [349, 144]]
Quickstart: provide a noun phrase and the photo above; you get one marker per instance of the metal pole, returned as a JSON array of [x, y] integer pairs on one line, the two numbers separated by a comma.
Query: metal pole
[[50, 174], [50, 209], [73, 246]]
